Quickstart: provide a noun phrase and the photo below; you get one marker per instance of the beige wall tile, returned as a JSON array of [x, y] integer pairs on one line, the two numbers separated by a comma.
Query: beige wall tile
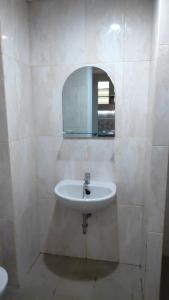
[[24, 204], [161, 120], [47, 101], [138, 30], [47, 151], [6, 197], [18, 99], [155, 203], [164, 22], [104, 31], [15, 31], [102, 235], [130, 234], [47, 23], [64, 234], [132, 109], [130, 169]]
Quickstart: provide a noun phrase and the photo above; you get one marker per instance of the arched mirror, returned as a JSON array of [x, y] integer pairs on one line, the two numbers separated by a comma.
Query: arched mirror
[[89, 104]]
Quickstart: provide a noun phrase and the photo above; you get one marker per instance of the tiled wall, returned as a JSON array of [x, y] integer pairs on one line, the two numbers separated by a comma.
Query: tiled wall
[[156, 197], [66, 35], [18, 101]]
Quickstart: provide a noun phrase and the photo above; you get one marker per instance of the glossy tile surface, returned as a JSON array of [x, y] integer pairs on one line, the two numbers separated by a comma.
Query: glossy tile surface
[[161, 134], [63, 278], [24, 203], [47, 101], [132, 108], [164, 22], [157, 196], [18, 99], [52, 30], [129, 161], [138, 24], [104, 40], [102, 31], [15, 30], [130, 237]]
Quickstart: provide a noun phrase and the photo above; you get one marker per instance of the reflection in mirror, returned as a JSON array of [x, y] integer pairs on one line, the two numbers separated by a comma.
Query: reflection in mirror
[[88, 104]]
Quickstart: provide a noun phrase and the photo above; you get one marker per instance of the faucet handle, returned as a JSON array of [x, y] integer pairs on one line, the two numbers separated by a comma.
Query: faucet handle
[[87, 177]]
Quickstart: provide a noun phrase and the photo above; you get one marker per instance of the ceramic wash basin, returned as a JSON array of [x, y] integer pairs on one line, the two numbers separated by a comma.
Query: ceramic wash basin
[[3, 281], [70, 193]]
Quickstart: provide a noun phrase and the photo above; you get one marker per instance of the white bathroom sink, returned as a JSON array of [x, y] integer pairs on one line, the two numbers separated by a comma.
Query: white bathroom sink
[[3, 280], [70, 193]]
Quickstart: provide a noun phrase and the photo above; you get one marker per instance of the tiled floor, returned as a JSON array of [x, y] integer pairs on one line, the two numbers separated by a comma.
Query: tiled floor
[[62, 278], [164, 294]]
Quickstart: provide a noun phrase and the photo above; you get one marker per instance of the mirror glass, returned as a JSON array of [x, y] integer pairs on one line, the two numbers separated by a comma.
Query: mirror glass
[[89, 104]]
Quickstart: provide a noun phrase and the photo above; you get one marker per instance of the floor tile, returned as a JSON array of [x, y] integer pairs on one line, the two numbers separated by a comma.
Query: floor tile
[[55, 277], [29, 293]]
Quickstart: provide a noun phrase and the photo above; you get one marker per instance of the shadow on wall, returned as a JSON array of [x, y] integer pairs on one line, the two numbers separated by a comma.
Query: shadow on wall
[[79, 268], [65, 238], [7, 231]]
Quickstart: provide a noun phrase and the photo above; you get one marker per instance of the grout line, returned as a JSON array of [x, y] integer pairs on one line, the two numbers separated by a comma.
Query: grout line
[[77, 138], [130, 205], [50, 65], [129, 264], [31, 138], [142, 288], [33, 263], [164, 146], [155, 232], [10, 141], [163, 44], [26, 64]]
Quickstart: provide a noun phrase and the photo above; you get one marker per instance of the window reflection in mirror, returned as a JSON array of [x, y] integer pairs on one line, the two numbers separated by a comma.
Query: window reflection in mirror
[[89, 104]]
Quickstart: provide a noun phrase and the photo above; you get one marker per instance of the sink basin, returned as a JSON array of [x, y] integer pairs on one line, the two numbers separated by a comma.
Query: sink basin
[[3, 280], [70, 193]]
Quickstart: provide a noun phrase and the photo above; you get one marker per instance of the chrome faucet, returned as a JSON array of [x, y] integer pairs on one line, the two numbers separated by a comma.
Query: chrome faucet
[[86, 190]]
